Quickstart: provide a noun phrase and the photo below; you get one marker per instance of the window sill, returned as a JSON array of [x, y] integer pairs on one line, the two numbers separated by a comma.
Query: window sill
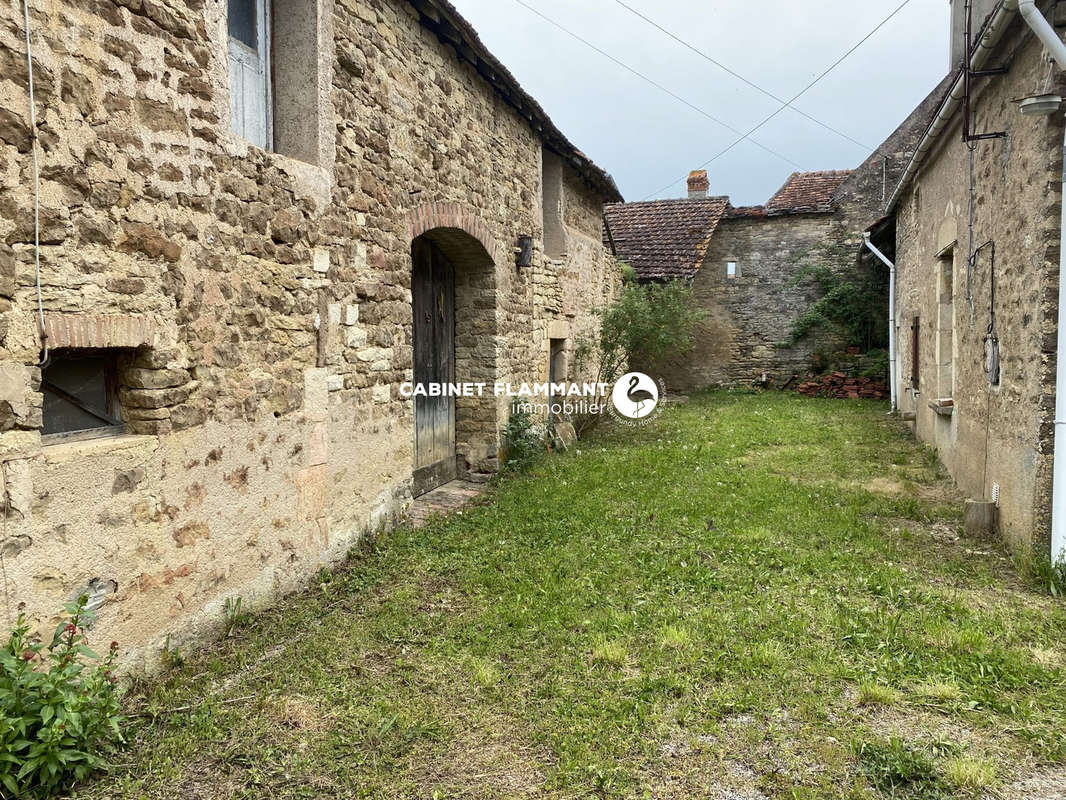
[[944, 407], [58, 449], [309, 180]]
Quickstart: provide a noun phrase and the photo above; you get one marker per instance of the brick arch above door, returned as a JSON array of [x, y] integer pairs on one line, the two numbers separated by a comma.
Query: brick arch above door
[[456, 216]]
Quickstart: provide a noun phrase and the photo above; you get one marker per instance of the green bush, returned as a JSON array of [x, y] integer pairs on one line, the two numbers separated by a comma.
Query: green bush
[[59, 709], [853, 296], [522, 442], [643, 329], [646, 326]]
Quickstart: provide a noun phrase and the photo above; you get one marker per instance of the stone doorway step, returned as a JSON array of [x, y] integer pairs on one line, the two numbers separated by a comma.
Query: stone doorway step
[[444, 500]]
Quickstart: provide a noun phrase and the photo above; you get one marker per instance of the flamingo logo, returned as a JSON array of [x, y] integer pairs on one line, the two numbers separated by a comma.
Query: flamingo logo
[[635, 395]]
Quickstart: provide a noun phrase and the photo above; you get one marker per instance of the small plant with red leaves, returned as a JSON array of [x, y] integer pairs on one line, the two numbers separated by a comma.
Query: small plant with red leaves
[[59, 708]]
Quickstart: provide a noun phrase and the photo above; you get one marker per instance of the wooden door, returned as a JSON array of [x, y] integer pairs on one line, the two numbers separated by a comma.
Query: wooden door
[[433, 299]]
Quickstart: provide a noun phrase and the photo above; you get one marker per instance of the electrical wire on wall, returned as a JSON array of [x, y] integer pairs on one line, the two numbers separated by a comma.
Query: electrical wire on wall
[[34, 145], [6, 496], [991, 343], [991, 340], [970, 138]]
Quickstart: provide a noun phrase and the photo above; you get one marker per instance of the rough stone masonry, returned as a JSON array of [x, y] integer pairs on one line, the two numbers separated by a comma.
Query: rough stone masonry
[[252, 308]]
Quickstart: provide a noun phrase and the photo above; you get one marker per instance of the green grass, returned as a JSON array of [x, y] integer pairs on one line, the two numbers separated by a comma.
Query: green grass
[[758, 594]]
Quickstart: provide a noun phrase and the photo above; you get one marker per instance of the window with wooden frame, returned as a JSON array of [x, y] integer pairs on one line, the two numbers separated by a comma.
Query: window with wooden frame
[[80, 391], [248, 22], [279, 87]]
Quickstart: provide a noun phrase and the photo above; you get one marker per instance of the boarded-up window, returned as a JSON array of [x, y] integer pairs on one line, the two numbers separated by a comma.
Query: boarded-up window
[[249, 70], [552, 199], [81, 394]]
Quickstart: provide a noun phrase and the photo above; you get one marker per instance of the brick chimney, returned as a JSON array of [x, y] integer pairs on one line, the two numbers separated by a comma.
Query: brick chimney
[[698, 184]]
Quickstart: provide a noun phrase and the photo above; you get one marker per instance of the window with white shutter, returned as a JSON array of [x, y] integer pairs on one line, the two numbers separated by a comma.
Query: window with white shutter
[[249, 70]]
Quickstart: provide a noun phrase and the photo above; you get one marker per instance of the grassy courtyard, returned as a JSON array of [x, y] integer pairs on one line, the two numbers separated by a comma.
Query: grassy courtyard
[[755, 596]]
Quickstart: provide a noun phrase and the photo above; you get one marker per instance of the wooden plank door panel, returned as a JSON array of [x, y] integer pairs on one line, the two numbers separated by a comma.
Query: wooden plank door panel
[[433, 300]]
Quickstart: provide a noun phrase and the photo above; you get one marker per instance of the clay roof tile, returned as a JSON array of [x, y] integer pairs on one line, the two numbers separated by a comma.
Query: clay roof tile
[[807, 192], [664, 239]]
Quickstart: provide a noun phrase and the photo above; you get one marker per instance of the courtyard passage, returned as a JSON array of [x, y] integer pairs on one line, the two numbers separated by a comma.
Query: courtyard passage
[[755, 596]]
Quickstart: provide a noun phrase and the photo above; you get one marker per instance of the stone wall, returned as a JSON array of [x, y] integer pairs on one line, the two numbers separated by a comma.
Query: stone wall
[[996, 434], [576, 286], [261, 304], [746, 334]]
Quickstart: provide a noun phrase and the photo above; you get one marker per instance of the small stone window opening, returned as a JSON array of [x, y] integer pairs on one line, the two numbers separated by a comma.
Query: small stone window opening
[[552, 200], [277, 88], [945, 333], [731, 269], [80, 391]]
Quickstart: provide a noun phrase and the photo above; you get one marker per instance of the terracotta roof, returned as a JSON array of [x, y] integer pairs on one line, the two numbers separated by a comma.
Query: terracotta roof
[[442, 18], [735, 212], [664, 239], [806, 192]]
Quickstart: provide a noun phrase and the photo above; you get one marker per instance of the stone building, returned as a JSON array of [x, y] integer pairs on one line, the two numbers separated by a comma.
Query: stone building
[[257, 221], [744, 263], [747, 285], [977, 234]]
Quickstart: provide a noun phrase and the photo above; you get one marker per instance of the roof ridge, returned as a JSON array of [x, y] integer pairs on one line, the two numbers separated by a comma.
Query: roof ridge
[[670, 200]]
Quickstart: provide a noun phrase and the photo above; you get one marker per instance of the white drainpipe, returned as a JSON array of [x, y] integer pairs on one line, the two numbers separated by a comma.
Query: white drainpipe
[[891, 318], [1058, 486], [1055, 47], [1041, 28]]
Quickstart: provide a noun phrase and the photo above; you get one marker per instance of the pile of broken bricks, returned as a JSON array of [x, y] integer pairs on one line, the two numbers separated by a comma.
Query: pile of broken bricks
[[840, 385]]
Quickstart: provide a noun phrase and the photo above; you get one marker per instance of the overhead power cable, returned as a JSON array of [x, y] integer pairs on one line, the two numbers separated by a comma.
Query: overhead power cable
[[655, 83], [738, 76], [793, 99]]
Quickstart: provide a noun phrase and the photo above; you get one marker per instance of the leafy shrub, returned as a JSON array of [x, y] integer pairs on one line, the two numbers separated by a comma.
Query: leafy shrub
[[854, 297], [629, 275], [643, 329], [647, 326], [523, 443], [59, 708]]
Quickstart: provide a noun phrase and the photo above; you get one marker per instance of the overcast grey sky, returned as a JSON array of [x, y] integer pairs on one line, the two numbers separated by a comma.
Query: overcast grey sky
[[646, 139]]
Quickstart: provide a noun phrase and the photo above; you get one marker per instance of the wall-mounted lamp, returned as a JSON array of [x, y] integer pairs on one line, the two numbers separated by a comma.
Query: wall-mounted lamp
[[1041, 105], [523, 252]]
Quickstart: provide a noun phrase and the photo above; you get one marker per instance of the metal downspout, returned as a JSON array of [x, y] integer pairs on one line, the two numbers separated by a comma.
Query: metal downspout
[[1047, 35]]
